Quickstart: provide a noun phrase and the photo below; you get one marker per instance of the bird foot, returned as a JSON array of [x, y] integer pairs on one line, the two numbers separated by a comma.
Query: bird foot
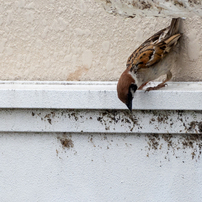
[[161, 85]]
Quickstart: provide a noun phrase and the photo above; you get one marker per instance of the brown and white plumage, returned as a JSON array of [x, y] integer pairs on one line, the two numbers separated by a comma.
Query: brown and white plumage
[[148, 62]]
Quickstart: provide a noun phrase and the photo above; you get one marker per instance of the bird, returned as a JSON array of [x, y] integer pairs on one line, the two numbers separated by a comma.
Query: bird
[[148, 62]]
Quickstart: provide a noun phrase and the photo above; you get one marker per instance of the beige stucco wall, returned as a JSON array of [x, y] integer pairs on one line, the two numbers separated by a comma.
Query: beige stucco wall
[[79, 40]]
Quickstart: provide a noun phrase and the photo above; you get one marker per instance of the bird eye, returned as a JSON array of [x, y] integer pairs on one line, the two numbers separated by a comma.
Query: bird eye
[[133, 88]]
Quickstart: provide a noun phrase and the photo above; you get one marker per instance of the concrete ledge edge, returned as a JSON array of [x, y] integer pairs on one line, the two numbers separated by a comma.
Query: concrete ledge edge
[[96, 95]]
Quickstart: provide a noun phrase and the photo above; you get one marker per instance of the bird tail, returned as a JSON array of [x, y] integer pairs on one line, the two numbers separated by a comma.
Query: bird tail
[[174, 27]]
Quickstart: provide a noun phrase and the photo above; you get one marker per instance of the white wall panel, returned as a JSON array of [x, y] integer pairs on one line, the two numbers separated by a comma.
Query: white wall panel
[[98, 153]]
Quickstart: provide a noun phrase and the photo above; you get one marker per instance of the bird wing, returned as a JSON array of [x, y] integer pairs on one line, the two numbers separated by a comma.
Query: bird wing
[[150, 41], [151, 52], [154, 48]]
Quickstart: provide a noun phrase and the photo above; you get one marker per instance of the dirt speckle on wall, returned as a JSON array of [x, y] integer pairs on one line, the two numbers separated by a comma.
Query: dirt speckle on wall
[[163, 8], [66, 143], [190, 144], [77, 74]]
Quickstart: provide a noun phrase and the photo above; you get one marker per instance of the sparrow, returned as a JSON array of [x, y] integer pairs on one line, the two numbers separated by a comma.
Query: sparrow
[[148, 62]]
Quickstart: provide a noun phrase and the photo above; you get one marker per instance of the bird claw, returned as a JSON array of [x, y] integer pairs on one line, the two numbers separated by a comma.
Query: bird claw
[[161, 85], [148, 89]]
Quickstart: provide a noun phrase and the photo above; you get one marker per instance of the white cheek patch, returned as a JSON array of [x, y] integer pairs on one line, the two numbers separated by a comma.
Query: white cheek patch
[[134, 76], [132, 92]]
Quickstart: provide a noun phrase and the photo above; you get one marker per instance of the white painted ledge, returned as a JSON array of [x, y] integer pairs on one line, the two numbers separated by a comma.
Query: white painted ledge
[[163, 8], [93, 107], [96, 95]]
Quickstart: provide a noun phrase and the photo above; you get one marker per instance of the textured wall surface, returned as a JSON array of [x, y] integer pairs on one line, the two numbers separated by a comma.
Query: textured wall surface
[[79, 40]]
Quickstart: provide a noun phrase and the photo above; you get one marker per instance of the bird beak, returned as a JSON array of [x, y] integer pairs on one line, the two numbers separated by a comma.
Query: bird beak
[[129, 105]]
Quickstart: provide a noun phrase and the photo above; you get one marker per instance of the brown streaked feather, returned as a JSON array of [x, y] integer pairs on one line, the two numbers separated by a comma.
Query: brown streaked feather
[[155, 48], [152, 40]]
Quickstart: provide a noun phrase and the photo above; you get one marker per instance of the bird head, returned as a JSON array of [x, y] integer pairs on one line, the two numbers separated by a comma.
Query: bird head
[[126, 88]]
